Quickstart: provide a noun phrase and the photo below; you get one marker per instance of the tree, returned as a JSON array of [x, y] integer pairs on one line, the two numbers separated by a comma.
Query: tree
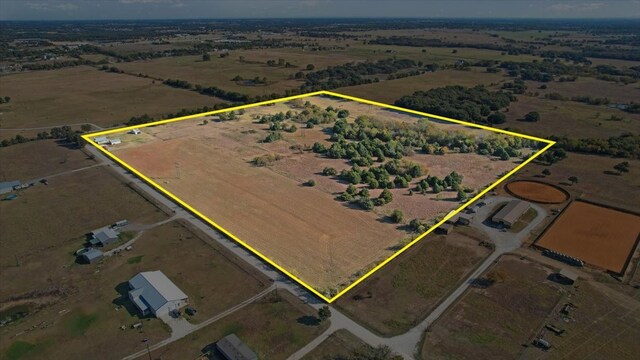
[[310, 67], [623, 167], [397, 216], [310, 183], [532, 116], [318, 148], [497, 118], [206, 57], [329, 171], [546, 172], [343, 114], [462, 196], [386, 195], [351, 189], [573, 179], [324, 313]]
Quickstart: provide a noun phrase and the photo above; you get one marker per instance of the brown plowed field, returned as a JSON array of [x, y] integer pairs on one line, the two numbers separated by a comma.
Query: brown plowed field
[[537, 192], [597, 235]]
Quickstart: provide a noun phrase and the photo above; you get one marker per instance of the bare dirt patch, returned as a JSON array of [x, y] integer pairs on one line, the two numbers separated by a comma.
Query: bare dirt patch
[[538, 192], [597, 235]]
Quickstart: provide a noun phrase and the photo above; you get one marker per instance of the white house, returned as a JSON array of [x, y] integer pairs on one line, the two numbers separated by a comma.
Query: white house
[[153, 293]]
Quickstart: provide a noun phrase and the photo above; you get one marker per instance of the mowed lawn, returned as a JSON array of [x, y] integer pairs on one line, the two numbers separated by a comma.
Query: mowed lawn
[[400, 295], [274, 327], [493, 322], [88, 319], [84, 94], [37, 159]]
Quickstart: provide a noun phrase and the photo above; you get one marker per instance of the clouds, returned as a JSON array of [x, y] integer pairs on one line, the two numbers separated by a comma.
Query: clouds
[[51, 6], [577, 6]]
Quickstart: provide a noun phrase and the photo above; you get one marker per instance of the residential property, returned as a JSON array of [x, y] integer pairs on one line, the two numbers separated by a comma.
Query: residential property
[[153, 293], [510, 213], [91, 256], [8, 186], [103, 236], [232, 348]]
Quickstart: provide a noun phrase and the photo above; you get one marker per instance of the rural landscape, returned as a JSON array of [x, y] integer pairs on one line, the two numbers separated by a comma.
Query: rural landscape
[[295, 187]]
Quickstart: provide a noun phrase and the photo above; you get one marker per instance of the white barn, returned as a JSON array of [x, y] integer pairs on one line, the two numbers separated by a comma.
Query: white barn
[[153, 293]]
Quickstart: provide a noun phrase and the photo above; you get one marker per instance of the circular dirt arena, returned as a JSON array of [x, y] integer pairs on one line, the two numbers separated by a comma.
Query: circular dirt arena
[[537, 191]]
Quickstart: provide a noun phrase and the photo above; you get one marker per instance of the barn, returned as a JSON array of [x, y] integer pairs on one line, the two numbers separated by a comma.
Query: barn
[[154, 294], [511, 212]]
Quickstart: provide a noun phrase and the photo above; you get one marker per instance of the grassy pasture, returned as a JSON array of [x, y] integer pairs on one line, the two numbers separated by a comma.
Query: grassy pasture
[[338, 345], [494, 322], [399, 296], [586, 86], [85, 94]]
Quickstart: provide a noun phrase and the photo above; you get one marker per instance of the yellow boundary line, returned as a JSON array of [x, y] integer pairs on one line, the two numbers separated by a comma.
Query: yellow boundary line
[[87, 137]]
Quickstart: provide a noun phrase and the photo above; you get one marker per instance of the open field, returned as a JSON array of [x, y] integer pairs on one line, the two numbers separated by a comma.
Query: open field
[[538, 192], [597, 235], [568, 118], [586, 86], [39, 159], [494, 321], [393, 301], [389, 91], [175, 155], [274, 327], [604, 325], [338, 345], [95, 308], [92, 198], [85, 94]]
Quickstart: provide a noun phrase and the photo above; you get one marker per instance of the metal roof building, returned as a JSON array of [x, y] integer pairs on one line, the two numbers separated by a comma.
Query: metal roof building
[[509, 214], [8, 186], [153, 293], [92, 255], [232, 348], [103, 236]]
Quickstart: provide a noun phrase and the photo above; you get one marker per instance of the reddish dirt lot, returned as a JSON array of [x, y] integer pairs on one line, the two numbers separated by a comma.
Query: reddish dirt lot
[[597, 235], [537, 192]]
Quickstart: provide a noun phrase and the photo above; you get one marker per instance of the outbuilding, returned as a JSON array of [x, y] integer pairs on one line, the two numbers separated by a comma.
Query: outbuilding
[[232, 348], [8, 186], [511, 212], [154, 294], [101, 140], [115, 141], [567, 276], [91, 256], [444, 229], [103, 236], [464, 219]]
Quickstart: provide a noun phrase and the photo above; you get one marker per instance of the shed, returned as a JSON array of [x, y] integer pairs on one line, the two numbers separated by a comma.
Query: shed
[[568, 276], [232, 348], [115, 141], [8, 186], [135, 131], [464, 219], [101, 140], [444, 229], [92, 256], [153, 293], [511, 212]]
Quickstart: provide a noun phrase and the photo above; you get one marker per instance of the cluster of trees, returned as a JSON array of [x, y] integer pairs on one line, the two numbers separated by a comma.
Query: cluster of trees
[[453, 181], [458, 102], [362, 197], [281, 63], [623, 146], [5, 99], [62, 133], [353, 73], [56, 64]]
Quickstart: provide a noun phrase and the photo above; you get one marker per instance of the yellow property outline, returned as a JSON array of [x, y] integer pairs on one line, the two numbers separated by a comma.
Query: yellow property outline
[[87, 137]]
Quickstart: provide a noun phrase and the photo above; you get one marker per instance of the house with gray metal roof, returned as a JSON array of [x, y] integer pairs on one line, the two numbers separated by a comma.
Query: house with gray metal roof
[[103, 236], [232, 348], [153, 293]]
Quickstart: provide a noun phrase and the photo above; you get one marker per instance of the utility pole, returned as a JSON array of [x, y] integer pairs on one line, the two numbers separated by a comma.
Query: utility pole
[[146, 341]]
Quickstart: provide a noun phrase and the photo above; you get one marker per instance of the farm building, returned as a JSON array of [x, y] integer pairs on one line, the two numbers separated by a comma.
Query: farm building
[[135, 131], [153, 293], [101, 140], [103, 236], [510, 213], [464, 219], [115, 141], [92, 256], [568, 276], [232, 348], [8, 186], [444, 229]]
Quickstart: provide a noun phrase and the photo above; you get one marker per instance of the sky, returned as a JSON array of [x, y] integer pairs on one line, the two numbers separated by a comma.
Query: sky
[[218, 9]]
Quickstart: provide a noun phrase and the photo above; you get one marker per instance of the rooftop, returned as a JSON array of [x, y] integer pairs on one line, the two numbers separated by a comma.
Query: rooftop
[[512, 211], [234, 349], [154, 289]]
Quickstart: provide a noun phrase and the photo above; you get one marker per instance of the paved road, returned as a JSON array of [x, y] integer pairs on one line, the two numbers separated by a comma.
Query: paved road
[[406, 344]]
